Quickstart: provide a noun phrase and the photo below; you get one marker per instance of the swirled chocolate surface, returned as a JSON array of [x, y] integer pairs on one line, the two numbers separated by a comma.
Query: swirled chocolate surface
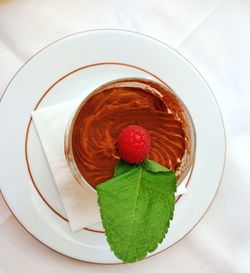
[[113, 107]]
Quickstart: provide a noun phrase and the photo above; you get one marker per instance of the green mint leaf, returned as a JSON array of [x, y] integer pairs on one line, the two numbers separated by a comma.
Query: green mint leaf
[[153, 166], [136, 208], [123, 167]]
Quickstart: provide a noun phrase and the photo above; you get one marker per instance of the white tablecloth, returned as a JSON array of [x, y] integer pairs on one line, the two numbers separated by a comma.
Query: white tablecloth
[[214, 35]]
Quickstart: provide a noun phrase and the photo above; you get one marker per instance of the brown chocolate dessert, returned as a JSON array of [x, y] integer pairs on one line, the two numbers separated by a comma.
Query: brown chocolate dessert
[[112, 107]]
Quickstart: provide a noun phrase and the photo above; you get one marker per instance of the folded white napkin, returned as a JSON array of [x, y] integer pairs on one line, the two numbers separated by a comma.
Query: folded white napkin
[[80, 203]]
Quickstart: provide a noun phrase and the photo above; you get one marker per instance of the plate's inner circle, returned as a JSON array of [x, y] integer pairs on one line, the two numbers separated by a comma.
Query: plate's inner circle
[[77, 84]]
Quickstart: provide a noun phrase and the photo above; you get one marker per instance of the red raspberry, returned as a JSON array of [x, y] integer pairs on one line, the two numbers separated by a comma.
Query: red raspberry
[[134, 144]]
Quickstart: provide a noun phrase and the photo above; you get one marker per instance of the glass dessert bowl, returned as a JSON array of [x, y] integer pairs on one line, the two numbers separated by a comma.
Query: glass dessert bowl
[[92, 132]]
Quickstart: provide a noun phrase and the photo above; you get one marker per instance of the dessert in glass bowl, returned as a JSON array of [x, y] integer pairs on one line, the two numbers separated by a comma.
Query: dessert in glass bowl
[[92, 133]]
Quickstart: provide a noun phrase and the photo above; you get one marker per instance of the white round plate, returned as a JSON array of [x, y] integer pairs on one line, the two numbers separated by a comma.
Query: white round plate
[[68, 69]]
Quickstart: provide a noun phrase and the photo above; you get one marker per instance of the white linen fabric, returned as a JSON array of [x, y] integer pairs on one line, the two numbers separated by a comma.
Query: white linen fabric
[[214, 36], [79, 203]]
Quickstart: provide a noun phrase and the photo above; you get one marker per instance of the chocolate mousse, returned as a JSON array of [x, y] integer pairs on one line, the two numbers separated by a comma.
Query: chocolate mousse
[[118, 104]]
